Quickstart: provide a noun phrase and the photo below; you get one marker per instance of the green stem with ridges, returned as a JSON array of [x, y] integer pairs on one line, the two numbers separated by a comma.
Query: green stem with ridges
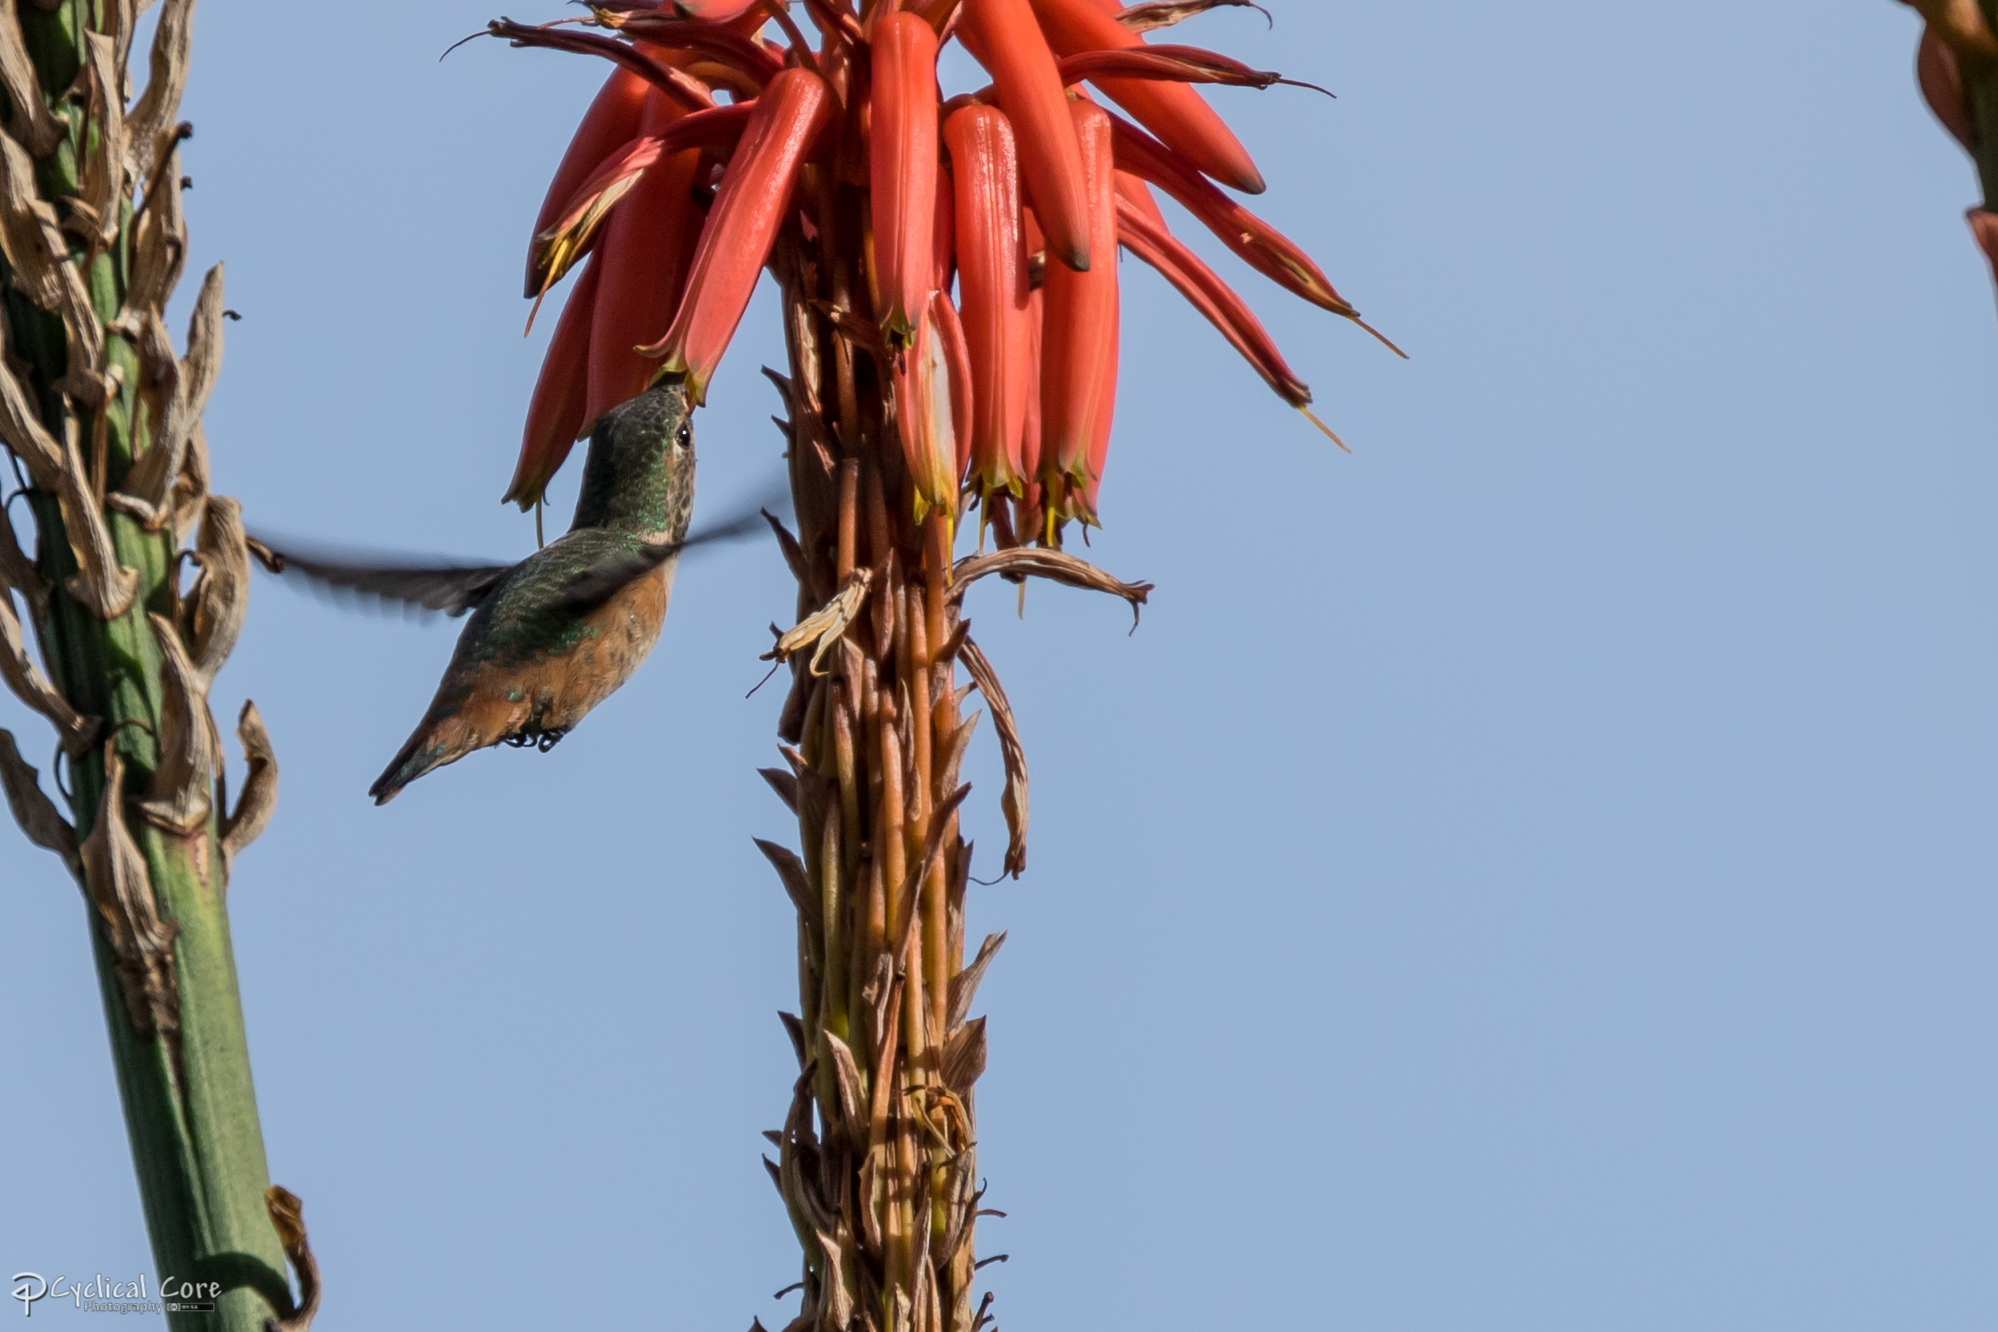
[[190, 1107]]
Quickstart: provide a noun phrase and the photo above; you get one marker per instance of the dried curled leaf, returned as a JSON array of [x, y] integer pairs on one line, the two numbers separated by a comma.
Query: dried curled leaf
[[159, 251], [220, 597], [184, 393], [797, 884], [1145, 18], [150, 125], [1013, 800], [846, 1077], [835, 1299], [18, 572], [30, 122], [964, 985], [115, 875], [25, 679], [287, 1215], [103, 186], [825, 626], [181, 783], [1173, 64], [101, 584], [21, 429], [190, 493], [33, 810], [785, 784], [964, 1056], [29, 235], [260, 788], [1056, 565]]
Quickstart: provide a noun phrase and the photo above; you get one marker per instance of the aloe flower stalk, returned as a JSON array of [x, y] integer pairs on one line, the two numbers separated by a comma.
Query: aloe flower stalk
[[951, 301], [134, 590]]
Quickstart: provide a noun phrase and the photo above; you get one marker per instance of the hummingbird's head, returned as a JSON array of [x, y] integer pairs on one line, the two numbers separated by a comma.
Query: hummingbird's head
[[640, 470]]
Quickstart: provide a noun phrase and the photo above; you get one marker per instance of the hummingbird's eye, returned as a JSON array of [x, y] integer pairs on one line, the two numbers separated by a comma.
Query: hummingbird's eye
[[685, 439]]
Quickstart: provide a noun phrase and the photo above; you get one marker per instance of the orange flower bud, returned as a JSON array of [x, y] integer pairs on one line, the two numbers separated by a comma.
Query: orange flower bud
[[608, 125], [1081, 328], [755, 192], [903, 169], [1004, 37], [1173, 111], [555, 413], [992, 269]]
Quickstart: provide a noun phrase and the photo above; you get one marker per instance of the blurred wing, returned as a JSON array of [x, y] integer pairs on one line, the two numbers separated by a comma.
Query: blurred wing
[[423, 585], [600, 584]]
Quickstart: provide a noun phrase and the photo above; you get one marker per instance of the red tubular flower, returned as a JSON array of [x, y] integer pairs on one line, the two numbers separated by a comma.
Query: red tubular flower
[[957, 357], [992, 271], [645, 261], [743, 224], [1081, 328], [715, 11], [1260, 245], [923, 416], [1173, 111], [555, 413], [903, 169], [1142, 231], [1099, 437], [608, 125], [1027, 507], [1004, 37], [575, 232]]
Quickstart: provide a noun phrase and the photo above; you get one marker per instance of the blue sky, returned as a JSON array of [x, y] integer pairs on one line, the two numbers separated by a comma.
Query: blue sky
[[1534, 873]]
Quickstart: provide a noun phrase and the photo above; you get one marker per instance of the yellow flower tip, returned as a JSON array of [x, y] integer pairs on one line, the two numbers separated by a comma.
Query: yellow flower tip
[[1381, 337], [1312, 417]]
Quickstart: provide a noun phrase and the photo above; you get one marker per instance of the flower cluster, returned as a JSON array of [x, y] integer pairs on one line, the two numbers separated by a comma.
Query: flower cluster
[[992, 220]]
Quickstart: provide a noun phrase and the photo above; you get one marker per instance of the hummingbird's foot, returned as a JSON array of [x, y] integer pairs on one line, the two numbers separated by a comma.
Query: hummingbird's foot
[[542, 741]]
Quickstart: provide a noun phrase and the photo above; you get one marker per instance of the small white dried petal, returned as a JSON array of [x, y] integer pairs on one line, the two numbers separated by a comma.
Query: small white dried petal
[[827, 625]]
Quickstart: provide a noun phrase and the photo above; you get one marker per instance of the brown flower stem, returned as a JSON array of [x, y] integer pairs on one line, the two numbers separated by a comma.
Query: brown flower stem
[[895, 1155]]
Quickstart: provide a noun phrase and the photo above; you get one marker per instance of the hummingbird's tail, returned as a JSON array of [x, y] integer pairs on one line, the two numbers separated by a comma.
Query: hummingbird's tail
[[437, 741]]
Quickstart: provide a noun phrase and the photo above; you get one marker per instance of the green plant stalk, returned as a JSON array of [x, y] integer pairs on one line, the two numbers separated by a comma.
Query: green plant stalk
[[190, 1107]]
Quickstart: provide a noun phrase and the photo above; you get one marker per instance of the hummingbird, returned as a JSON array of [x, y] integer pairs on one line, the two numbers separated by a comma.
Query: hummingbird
[[556, 634]]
